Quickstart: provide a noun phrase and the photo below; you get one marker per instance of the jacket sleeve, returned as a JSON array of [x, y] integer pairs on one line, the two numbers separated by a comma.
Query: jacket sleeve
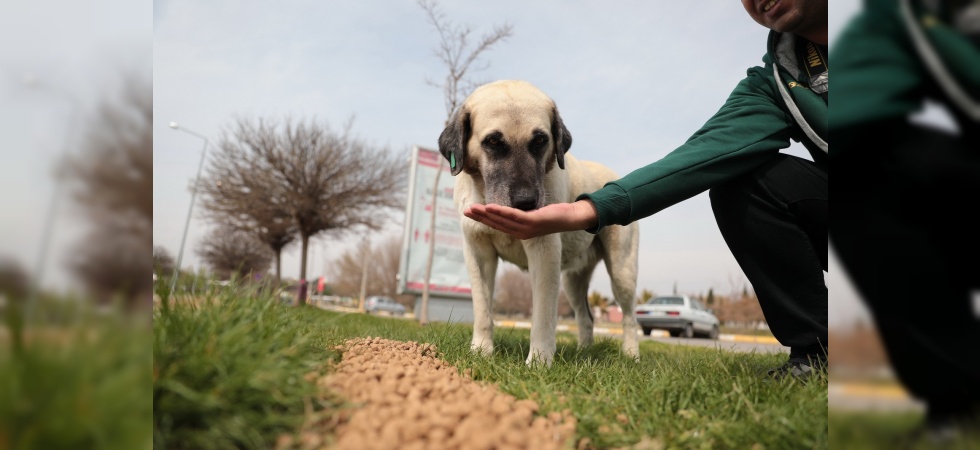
[[748, 129]]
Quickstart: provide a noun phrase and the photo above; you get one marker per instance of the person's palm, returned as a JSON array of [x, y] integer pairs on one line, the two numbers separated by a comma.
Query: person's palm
[[554, 218]]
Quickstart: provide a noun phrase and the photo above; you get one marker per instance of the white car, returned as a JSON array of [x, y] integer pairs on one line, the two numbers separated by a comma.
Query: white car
[[377, 303], [680, 315]]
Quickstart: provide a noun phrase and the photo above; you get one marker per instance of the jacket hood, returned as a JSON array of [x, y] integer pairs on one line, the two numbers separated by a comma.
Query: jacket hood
[[781, 54]]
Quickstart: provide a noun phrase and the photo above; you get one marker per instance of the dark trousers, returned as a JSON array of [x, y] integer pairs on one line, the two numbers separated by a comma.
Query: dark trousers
[[906, 199], [774, 220]]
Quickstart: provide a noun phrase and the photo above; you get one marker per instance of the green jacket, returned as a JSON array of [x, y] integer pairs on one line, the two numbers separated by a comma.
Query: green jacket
[[766, 110], [895, 54]]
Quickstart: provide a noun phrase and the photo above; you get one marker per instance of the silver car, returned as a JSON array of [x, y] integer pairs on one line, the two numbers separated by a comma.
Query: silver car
[[378, 303], [680, 315]]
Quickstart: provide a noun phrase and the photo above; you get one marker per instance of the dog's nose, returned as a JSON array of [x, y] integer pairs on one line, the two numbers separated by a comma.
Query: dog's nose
[[524, 201]]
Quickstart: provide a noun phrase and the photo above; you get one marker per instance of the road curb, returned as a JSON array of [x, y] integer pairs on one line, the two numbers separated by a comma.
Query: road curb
[[885, 391], [655, 333]]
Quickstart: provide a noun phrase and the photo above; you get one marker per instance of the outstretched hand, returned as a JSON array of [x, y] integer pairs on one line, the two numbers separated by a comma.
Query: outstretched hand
[[554, 218]]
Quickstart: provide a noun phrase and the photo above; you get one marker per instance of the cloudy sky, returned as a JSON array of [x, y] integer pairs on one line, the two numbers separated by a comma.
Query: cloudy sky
[[632, 82]]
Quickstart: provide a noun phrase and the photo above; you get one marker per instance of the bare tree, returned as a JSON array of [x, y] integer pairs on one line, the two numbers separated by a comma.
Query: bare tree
[[163, 261], [709, 300], [111, 183], [234, 253], [738, 308], [325, 181], [513, 293], [14, 288], [645, 296], [382, 259], [597, 300], [14, 282], [461, 57], [238, 193]]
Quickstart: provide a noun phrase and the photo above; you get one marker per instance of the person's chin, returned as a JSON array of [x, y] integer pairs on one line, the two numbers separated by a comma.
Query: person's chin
[[786, 24]]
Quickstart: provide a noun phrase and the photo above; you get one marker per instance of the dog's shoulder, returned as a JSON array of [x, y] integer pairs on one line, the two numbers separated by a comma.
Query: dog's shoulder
[[588, 176]]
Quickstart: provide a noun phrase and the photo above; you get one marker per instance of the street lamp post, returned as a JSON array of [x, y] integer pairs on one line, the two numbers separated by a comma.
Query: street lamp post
[[46, 233], [190, 210]]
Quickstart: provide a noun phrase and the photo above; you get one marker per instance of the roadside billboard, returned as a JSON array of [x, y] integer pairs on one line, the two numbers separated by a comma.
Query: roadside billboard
[[449, 277]]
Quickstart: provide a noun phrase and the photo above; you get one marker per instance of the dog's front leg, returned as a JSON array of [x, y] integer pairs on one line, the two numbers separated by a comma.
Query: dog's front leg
[[544, 265], [481, 264]]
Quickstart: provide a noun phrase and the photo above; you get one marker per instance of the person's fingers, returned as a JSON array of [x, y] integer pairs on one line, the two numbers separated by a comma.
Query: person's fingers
[[515, 222], [494, 221], [513, 214], [501, 215]]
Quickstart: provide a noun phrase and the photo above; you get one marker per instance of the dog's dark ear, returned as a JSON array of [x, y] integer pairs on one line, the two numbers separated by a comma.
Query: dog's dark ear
[[563, 139], [452, 141]]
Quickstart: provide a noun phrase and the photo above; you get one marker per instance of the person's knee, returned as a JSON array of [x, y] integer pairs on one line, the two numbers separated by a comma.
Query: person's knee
[[730, 198]]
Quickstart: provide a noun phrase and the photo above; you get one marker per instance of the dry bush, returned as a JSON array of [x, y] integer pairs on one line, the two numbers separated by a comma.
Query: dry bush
[[513, 293], [382, 260], [232, 253], [856, 351], [111, 183], [308, 179], [738, 309]]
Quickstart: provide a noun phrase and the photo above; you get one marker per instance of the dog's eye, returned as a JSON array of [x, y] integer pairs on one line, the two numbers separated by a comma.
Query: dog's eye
[[492, 140], [538, 142]]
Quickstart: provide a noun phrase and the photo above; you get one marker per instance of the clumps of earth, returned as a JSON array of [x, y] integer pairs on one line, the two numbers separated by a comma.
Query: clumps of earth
[[405, 397]]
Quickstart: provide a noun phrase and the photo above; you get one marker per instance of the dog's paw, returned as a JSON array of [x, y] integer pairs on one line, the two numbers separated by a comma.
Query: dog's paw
[[540, 358], [632, 352], [483, 347], [632, 349], [631, 342]]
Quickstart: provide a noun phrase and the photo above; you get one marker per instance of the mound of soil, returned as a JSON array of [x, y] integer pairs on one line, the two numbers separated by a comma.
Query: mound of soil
[[409, 399]]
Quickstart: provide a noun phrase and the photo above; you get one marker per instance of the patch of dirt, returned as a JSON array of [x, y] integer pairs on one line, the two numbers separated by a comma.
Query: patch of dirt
[[409, 399]]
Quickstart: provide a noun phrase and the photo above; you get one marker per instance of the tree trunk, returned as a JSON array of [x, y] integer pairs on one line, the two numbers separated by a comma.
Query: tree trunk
[[301, 296], [424, 308], [364, 273], [278, 253]]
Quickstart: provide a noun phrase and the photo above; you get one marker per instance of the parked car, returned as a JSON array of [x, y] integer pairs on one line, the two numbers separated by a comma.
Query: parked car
[[680, 315], [378, 303]]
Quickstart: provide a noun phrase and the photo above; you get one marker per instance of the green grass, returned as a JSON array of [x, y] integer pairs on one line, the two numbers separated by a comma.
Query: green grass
[[80, 383], [888, 431], [229, 374]]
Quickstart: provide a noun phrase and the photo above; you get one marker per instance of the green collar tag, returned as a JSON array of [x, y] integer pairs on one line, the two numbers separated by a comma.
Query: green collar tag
[[452, 161]]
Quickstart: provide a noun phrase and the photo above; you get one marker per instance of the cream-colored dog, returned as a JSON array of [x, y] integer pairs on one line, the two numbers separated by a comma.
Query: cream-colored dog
[[508, 145]]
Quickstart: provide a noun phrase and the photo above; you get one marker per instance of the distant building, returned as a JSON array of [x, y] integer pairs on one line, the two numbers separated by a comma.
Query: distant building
[[614, 314]]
